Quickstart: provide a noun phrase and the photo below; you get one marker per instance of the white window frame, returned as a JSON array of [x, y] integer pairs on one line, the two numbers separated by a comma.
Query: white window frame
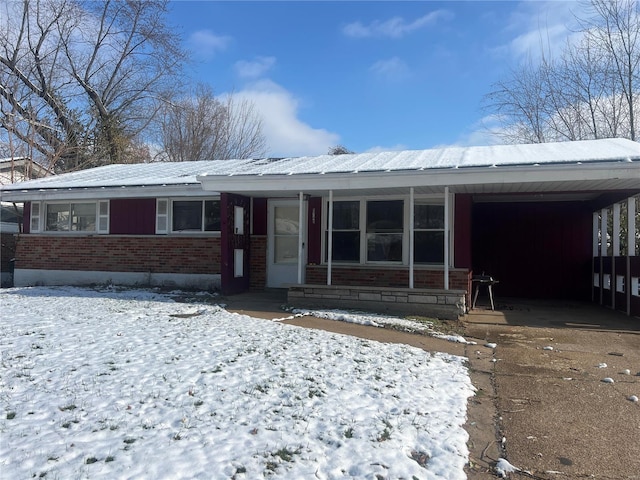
[[102, 213], [164, 216], [418, 199], [35, 222]]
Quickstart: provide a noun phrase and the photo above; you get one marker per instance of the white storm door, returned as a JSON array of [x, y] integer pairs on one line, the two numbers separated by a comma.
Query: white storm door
[[283, 242]]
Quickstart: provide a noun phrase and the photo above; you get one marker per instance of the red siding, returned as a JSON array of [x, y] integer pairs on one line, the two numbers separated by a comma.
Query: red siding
[[232, 240], [26, 217], [535, 250], [259, 216], [462, 231], [132, 216], [112, 253]]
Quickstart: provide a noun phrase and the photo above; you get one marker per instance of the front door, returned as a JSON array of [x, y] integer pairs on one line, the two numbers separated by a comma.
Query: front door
[[283, 243]]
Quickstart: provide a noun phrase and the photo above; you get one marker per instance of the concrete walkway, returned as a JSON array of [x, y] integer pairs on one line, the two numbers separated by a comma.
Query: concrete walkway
[[541, 402]]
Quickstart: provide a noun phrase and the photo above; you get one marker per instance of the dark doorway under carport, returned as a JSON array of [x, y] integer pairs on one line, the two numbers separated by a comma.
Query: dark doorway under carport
[[534, 249]]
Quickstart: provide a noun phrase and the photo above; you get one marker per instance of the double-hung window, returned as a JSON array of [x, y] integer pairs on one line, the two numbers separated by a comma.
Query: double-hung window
[[428, 228], [346, 231], [385, 230], [195, 216]]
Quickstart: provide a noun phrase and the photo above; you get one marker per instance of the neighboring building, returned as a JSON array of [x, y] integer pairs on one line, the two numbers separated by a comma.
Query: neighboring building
[[395, 231], [13, 170]]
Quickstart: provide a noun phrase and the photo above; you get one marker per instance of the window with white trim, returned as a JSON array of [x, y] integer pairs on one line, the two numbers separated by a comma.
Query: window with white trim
[[385, 230], [376, 231], [35, 217], [346, 231], [77, 216], [193, 215], [428, 232]]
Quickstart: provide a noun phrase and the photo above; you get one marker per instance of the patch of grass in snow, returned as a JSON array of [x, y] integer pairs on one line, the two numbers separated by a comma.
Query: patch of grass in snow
[[386, 433], [348, 433], [11, 415], [68, 408], [285, 454], [421, 458]]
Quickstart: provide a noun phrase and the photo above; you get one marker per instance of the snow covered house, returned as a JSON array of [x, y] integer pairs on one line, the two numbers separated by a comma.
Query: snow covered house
[[391, 231]]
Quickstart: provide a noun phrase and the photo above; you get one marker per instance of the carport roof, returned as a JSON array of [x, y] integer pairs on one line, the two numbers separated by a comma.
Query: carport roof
[[588, 165]]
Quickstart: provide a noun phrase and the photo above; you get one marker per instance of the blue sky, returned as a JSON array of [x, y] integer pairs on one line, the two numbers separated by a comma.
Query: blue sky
[[369, 75]]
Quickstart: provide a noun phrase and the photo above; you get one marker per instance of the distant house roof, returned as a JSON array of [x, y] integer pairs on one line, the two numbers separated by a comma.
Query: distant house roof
[[20, 169], [590, 164]]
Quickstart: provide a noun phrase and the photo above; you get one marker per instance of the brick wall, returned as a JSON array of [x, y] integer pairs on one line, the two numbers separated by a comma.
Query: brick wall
[[387, 276], [258, 266], [114, 253]]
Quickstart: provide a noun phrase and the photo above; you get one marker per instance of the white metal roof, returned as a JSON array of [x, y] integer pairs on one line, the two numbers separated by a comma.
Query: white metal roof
[[588, 164]]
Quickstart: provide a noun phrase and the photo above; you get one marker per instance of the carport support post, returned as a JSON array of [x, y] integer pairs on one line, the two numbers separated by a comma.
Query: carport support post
[[330, 238], [595, 256], [411, 240], [603, 248], [615, 252], [446, 238], [631, 246], [300, 237]]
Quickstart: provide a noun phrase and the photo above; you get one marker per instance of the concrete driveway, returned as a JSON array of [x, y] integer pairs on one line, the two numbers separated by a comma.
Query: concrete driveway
[[541, 403], [557, 416]]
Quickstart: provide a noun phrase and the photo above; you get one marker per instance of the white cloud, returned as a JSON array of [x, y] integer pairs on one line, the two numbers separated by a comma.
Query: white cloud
[[485, 131], [254, 69], [393, 69], [205, 44], [540, 27], [395, 27], [398, 147], [286, 135]]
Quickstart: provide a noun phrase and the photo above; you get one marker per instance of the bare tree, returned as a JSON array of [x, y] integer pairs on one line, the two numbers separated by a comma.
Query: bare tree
[[80, 81], [339, 150], [590, 91], [616, 28], [523, 102], [203, 127]]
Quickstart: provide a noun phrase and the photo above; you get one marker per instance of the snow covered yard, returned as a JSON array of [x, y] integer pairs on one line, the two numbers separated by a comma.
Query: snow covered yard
[[104, 384]]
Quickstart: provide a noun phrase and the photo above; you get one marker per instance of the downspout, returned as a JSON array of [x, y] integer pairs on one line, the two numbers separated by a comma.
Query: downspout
[[330, 238], [411, 239], [300, 237], [446, 238]]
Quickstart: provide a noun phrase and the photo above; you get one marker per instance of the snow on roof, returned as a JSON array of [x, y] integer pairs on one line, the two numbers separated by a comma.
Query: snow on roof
[[452, 157], [138, 174], [185, 173]]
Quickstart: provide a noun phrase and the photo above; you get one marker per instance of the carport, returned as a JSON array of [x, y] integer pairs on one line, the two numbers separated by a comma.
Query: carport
[[528, 215]]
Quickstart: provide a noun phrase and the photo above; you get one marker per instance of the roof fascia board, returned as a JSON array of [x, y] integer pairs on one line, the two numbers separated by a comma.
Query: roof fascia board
[[430, 177], [101, 193]]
